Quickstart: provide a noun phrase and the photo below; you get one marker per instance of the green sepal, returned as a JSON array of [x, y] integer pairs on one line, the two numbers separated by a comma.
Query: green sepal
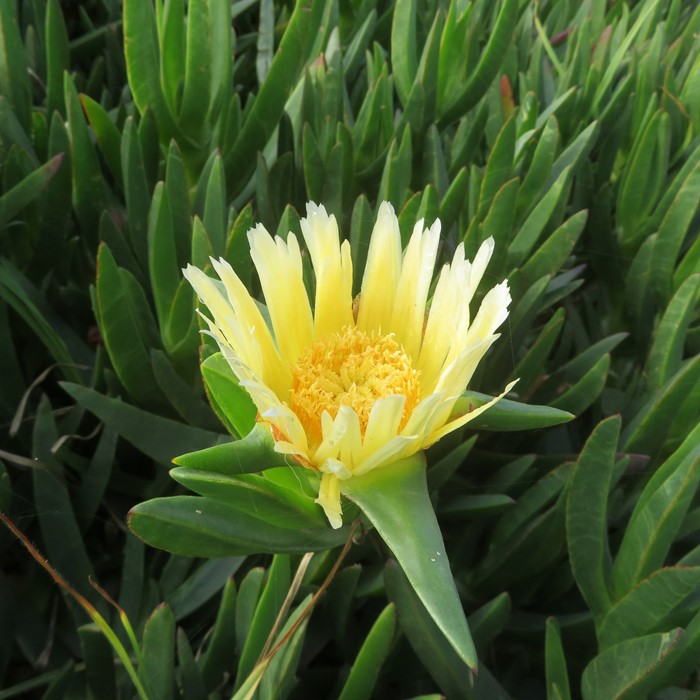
[[395, 499], [253, 453]]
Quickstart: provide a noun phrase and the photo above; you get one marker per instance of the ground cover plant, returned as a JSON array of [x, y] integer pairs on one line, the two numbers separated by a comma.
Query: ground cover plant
[[140, 137]]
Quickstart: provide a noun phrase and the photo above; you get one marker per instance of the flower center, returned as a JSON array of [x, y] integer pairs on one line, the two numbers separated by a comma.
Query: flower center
[[351, 368]]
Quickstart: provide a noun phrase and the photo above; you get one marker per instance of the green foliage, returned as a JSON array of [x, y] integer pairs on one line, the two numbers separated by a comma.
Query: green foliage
[[139, 136]]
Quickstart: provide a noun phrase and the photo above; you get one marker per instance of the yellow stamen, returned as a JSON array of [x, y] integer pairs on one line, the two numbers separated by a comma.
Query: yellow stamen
[[351, 368]]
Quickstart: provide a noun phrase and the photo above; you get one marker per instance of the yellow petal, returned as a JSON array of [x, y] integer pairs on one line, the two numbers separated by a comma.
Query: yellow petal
[[381, 273], [448, 314], [465, 418], [329, 499], [492, 313], [333, 271], [274, 372], [478, 267], [280, 270], [397, 448], [272, 410], [383, 423], [417, 268]]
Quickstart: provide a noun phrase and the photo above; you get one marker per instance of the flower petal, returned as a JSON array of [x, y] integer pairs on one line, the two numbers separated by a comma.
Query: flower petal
[[333, 269], [408, 317], [274, 372], [492, 313], [381, 273], [272, 410], [280, 270], [383, 423], [329, 499], [466, 417], [478, 267]]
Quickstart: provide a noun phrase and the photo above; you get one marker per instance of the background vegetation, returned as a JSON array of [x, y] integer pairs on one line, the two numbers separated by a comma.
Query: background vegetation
[[136, 138]]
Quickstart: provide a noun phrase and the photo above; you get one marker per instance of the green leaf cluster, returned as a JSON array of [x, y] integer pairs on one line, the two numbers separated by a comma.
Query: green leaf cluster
[[139, 136]]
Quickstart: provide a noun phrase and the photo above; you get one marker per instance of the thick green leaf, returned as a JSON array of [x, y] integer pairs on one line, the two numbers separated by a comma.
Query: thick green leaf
[[647, 430], [196, 94], [206, 581], [488, 621], [540, 167], [654, 524], [142, 55], [202, 527], [625, 670], [191, 682], [532, 366], [368, 664], [404, 59], [157, 670], [251, 585], [669, 338], [672, 232], [254, 492], [437, 655], [395, 499], [231, 400], [587, 519], [253, 453], [549, 258], [267, 108], [266, 611], [506, 415], [89, 192], [532, 502], [13, 201], [59, 527], [533, 227], [136, 190], [122, 305], [14, 73], [107, 134], [217, 662], [486, 70], [586, 391], [648, 604], [160, 438], [281, 673], [555, 663]]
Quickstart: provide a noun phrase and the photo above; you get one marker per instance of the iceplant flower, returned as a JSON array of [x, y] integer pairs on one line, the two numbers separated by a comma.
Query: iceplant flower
[[352, 385]]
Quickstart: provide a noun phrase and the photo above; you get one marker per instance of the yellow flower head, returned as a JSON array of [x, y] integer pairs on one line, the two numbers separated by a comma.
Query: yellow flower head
[[354, 385]]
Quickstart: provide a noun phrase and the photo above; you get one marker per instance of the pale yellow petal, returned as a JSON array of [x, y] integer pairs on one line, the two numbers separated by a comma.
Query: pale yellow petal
[[279, 267], [397, 448], [333, 432], [272, 410], [421, 421], [465, 418], [448, 313], [455, 377], [492, 313], [383, 423], [329, 499], [333, 304], [239, 347], [381, 273], [275, 373], [417, 268], [337, 468], [478, 267]]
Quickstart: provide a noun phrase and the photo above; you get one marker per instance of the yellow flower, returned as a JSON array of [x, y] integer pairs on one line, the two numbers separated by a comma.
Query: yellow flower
[[354, 385]]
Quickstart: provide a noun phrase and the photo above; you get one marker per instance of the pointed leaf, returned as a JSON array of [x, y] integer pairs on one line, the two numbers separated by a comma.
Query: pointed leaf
[[395, 499]]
